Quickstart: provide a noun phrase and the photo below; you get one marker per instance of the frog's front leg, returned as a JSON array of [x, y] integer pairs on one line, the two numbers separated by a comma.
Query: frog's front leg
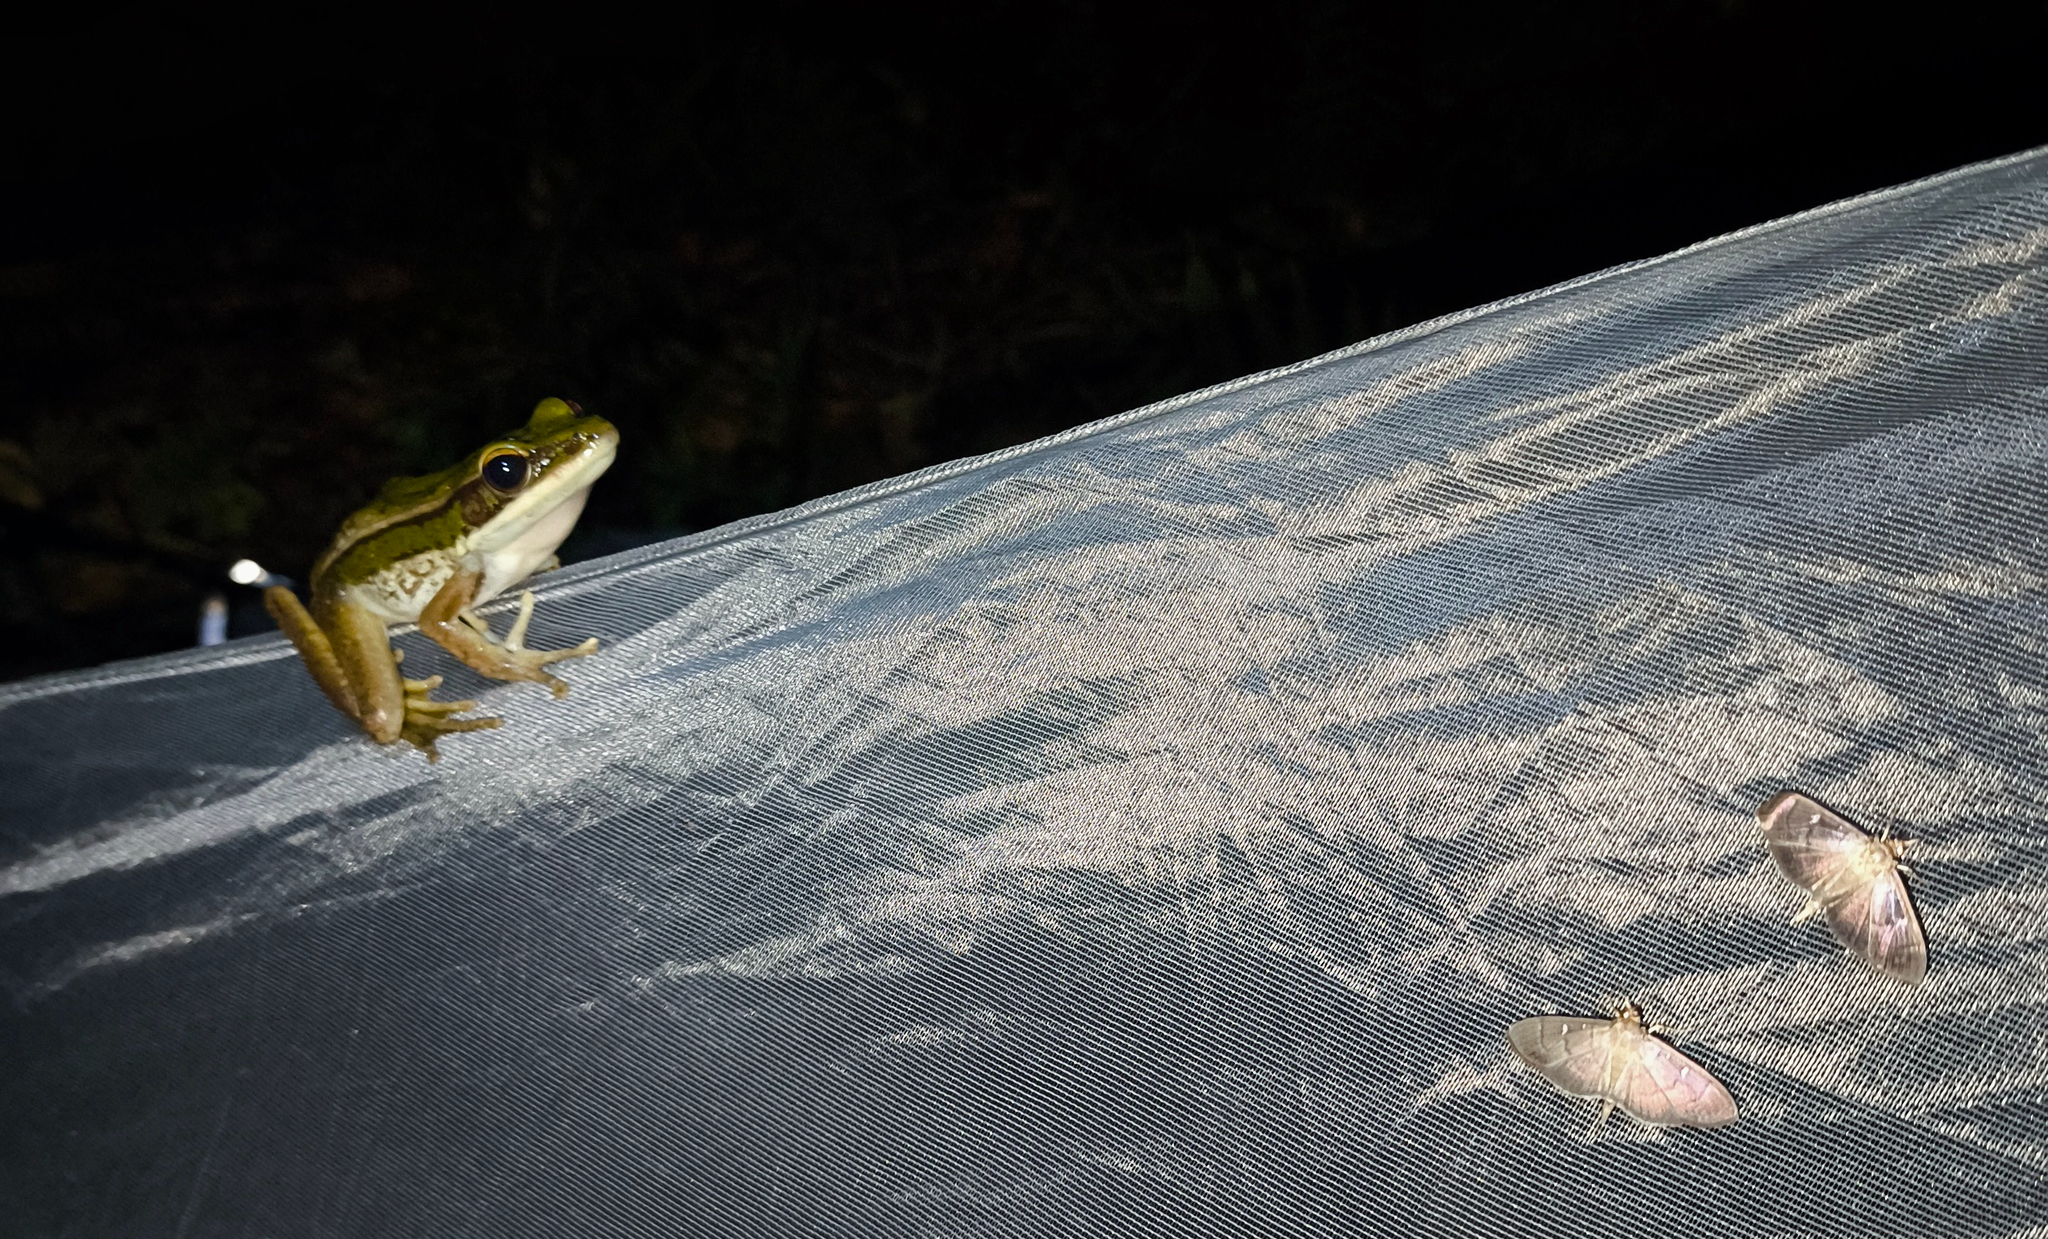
[[447, 622]]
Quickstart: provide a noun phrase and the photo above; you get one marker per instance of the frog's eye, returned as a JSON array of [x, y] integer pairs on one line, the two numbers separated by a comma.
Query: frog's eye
[[506, 472]]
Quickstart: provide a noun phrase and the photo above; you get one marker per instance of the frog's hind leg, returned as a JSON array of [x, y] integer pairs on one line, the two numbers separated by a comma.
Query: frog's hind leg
[[363, 646], [349, 653], [315, 650]]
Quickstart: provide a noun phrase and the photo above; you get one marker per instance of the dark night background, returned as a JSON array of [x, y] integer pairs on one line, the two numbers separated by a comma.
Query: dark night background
[[802, 247]]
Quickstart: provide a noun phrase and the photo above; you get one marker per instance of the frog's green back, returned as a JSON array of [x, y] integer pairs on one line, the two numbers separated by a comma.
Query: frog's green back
[[408, 515]]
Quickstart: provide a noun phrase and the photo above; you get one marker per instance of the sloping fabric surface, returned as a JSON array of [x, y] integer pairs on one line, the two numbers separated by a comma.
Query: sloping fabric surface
[[1148, 830]]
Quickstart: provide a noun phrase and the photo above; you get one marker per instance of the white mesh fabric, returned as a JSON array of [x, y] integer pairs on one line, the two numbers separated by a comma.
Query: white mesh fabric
[[1148, 829]]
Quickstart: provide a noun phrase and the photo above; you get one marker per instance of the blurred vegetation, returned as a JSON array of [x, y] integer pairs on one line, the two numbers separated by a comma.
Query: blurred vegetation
[[815, 245]]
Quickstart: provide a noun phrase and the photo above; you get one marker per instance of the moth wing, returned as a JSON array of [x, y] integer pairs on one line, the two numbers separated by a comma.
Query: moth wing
[[1876, 920], [1569, 1051], [1810, 842], [1664, 1087]]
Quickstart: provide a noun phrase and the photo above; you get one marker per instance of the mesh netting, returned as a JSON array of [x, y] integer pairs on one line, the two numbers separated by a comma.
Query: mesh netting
[[1150, 828]]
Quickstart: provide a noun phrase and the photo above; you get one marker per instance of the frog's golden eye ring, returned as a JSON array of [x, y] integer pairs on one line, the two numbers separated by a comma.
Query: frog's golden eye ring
[[505, 472]]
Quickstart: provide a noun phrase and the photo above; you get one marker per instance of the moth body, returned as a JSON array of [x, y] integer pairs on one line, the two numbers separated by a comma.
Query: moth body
[[1851, 878], [1623, 1063]]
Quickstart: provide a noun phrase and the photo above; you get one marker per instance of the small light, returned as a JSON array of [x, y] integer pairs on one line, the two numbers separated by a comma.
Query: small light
[[213, 620], [246, 572]]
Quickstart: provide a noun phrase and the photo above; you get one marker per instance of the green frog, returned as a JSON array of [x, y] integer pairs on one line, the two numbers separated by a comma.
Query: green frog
[[431, 549]]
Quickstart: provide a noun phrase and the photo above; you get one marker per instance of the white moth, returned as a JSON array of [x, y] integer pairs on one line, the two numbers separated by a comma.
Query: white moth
[[1622, 1062], [1851, 877]]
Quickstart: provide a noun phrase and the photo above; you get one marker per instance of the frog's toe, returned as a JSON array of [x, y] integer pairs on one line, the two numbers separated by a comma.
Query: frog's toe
[[515, 639], [528, 664], [422, 729], [419, 706], [587, 647], [426, 720]]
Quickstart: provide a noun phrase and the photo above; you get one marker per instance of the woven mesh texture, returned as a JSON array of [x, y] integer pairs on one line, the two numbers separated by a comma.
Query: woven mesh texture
[[1147, 830]]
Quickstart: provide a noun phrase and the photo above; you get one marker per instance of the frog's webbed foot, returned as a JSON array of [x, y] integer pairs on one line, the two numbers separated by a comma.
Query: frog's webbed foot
[[509, 659], [426, 720]]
